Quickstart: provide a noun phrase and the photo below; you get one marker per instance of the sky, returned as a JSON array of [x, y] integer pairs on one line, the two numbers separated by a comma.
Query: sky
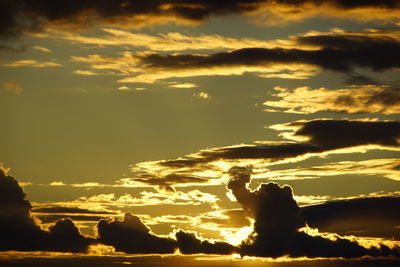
[[258, 132]]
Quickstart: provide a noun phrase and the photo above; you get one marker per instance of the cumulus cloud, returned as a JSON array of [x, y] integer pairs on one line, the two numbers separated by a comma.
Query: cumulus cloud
[[278, 223], [305, 100], [130, 235], [20, 231]]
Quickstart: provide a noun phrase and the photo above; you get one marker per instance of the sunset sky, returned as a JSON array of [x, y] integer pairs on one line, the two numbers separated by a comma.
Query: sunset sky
[[203, 132]]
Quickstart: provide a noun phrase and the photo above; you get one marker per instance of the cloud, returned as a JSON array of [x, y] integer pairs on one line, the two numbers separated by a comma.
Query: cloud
[[388, 168], [14, 86], [148, 67], [20, 231], [277, 62], [23, 16], [85, 72], [189, 243], [32, 63], [172, 41], [202, 95], [131, 236], [278, 225], [182, 85], [310, 138], [370, 216], [41, 49], [368, 99]]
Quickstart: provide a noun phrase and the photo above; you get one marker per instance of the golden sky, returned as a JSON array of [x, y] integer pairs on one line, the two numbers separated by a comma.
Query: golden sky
[[200, 132]]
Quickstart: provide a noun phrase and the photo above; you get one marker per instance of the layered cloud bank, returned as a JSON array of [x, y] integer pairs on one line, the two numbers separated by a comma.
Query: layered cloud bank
[[21, 16], [279, 227]]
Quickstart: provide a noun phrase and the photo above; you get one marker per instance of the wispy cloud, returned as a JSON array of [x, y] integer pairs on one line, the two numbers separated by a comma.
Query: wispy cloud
[[14, 86], [305, 100], [32, 63], [41, 49]]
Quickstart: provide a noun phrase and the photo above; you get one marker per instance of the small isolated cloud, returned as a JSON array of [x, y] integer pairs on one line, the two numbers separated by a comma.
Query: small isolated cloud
[[32, 63], [182, 85], [14, 86], [202, 95], [85, 72], [41, 49], [305, 100]]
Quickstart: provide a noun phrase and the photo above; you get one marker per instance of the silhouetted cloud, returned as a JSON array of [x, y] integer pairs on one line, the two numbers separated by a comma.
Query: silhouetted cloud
[[20, 231], [278, 225], [371, 216], [131, 236], [19, 16], [189, 243]]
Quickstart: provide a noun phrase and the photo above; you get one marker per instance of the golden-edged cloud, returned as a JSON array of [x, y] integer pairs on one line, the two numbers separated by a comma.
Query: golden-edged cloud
[[311, 138], [25, 16], [305, 100], [387, 167], [300, 57], [32, 63], [172, 41]]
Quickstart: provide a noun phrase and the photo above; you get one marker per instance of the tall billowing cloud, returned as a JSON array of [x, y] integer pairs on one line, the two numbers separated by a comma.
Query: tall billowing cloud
[[278, 223], [20, 231]]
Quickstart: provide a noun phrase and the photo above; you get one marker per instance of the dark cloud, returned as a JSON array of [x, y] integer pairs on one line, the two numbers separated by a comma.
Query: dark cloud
[[374, 55], [19, 16], [323, 135], [333, 134], [277, 224], [165, 182], [189, 243], [131, 236], [377, 217], [20, 231]]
